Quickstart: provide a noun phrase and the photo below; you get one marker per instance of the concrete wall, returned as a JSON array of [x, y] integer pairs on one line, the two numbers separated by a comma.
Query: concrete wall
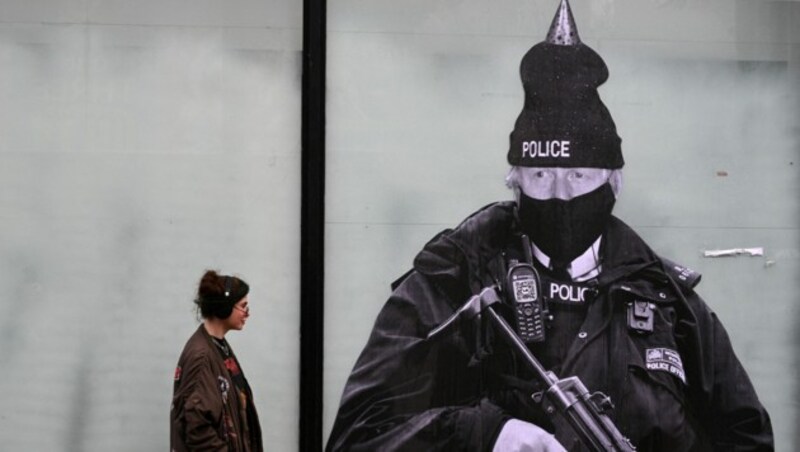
[[141, 143], [422, 96]]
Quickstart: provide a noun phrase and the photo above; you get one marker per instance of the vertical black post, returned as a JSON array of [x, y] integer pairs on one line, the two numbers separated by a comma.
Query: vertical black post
[[312, 225]]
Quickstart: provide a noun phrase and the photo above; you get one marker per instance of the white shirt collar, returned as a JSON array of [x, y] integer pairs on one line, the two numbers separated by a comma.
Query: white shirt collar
[[582, 268]]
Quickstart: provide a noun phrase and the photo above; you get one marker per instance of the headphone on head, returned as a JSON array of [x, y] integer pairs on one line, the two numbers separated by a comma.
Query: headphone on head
[[228, 286]]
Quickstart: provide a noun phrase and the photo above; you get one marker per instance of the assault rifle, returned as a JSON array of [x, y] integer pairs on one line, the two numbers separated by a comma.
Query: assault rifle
[[566, 398]]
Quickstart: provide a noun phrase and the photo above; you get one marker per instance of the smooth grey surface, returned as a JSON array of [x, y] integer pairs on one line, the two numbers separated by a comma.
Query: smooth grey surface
[[422, 96], [279, 14], [141, 143]]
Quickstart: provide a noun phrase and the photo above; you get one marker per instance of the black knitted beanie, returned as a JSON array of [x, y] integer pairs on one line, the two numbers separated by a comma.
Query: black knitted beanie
[[563, 122]]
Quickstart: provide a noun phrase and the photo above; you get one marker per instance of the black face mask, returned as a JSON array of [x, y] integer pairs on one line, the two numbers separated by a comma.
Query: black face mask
[[565, 229]]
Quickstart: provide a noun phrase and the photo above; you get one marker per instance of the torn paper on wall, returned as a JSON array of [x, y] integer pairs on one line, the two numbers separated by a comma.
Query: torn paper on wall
[[758, 251]]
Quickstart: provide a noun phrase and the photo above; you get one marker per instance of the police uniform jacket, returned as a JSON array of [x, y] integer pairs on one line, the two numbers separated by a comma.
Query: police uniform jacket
[[206, 410], [677, 387]]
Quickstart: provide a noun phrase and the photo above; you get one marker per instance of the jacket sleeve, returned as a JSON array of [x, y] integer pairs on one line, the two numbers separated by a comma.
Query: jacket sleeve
[[728, 405], [410, 393], [203, 407]]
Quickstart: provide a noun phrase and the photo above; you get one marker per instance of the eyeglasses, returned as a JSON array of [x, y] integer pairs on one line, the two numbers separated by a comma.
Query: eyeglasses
[[245, 309]]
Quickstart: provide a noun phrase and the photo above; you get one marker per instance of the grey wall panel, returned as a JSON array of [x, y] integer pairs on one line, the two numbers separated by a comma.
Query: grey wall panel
[[133, 158], [231, 13], [43, 11]]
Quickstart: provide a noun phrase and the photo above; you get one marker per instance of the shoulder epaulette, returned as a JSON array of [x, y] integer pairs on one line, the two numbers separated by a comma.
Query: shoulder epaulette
[[684, 276]]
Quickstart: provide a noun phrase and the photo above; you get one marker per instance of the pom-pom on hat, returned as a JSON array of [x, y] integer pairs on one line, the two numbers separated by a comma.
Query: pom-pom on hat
[[563, 122]]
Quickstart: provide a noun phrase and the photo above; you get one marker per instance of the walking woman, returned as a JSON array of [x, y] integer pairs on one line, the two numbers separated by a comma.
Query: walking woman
[[212, 405]]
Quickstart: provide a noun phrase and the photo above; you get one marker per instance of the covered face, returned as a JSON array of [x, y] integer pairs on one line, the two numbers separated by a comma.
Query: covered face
[[564, 210]]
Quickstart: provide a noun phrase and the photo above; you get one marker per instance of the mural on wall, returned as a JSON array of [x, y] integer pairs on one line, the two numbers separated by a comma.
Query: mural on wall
[[584, 293]]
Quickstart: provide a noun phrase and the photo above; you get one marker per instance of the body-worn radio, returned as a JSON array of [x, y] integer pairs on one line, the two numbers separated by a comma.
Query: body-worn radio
[[524, 289]]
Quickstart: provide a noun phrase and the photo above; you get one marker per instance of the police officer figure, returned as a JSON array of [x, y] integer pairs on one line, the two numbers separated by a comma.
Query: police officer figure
[[624, 320]]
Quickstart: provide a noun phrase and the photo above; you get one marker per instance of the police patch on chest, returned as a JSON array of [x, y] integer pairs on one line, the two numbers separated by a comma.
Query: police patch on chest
[[665, 360], [567, 293]]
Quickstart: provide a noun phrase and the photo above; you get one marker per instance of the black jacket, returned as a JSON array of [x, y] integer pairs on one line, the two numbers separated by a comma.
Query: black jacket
[[454, 392]]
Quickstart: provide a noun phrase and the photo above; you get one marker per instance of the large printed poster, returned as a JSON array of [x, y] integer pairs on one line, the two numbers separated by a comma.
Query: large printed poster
[[648, 152]]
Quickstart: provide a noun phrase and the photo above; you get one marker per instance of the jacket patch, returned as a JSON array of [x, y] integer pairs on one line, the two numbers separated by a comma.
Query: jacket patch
[[567, 293], [232, 367], [224, 386], [666, 360]]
